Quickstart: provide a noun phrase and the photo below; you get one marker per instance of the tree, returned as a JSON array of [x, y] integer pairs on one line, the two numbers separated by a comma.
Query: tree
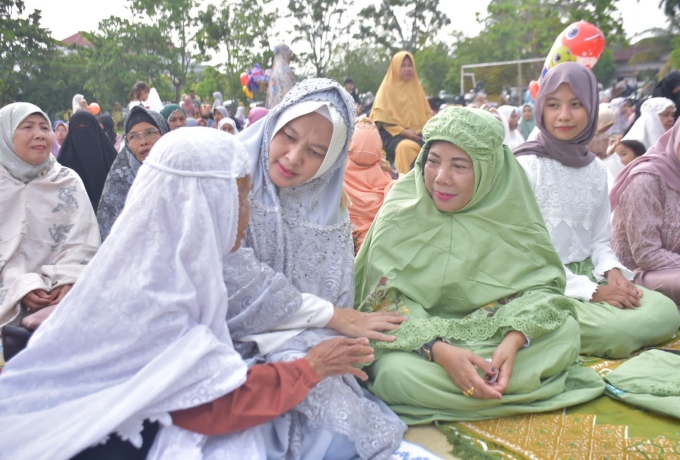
[[181, 21], [122, 53], [402, 24], [433, 63], [57, 76], [210, 80], [23, 42], [605, 67], [242, 30], [366, 65], [671, 9], [521, 29], [319, 25], [197, 29]]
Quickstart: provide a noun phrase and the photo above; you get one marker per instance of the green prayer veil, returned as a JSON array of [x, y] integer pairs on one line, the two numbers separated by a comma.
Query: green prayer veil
[[468, 275]]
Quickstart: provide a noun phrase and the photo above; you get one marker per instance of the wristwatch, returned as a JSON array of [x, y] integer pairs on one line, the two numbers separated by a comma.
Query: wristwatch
[[426, 351]]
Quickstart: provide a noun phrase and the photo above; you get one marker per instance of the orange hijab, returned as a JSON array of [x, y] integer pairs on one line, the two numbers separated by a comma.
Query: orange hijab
[[400, 102], [365, 181]]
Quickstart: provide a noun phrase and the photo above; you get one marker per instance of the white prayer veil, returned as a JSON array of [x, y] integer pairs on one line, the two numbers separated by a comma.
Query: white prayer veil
[[649, 128], [143, 331]]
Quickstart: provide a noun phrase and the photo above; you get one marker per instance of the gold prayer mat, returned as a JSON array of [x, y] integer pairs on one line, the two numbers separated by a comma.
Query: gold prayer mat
[[602, 429]]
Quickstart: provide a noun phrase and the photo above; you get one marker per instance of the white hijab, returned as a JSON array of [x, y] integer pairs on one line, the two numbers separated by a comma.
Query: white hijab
[[225, 121], [648, 128], [320, 194], [153, 102], [330, 113], [513, 138], [75, 103], [143, 331], [11, 117]]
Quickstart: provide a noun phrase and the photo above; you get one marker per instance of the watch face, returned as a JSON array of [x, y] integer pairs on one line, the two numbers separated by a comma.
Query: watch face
[[425, 352]]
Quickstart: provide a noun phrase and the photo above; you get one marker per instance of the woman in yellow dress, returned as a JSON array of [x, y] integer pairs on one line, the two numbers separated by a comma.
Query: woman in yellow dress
[[401, 110]]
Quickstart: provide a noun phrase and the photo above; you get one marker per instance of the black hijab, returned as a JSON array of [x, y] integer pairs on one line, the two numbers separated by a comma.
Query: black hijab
[[108, 124], [89, 152], [665, 89]]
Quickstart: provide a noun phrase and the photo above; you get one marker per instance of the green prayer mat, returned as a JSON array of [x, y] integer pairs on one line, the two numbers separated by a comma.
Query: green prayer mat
[[604, 428]]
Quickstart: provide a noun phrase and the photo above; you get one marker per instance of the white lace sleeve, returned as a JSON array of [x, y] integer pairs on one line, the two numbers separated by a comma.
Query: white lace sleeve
[[579, 286], [530, 165], [601, 253]]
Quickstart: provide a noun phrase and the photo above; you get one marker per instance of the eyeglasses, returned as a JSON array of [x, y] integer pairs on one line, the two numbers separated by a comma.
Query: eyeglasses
[[150, 133]]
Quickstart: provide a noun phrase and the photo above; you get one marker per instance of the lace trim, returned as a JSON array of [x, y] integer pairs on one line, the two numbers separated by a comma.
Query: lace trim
[[415, 332], [533, 313], [665, 389]]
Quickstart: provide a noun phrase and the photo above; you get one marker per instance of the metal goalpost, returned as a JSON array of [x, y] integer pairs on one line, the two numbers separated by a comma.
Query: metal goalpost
[[519, 63]]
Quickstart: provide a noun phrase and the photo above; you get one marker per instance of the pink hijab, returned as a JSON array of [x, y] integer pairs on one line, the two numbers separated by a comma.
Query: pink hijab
[[660, 160], [256, 113]]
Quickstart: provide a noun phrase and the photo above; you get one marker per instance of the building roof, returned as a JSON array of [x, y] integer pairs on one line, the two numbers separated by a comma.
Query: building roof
[[77, 39]]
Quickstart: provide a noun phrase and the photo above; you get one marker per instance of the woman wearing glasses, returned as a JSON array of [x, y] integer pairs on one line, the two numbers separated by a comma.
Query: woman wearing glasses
[[143, 128]]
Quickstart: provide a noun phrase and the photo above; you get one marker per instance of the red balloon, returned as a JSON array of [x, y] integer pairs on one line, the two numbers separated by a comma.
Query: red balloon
[[585, 41], [94, 108], [245, 79], [533, 88]]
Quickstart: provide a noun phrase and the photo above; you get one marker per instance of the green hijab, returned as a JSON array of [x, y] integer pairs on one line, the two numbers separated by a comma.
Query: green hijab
[[169, 109], [472, 274]]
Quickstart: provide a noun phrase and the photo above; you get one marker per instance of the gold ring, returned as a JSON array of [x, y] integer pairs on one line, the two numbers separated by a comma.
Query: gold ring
[[469, 392]]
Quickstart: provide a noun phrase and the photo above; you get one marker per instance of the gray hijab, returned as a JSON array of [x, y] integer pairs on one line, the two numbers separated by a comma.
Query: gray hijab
[[573, 153], [11, 117], [303, 234], [302, 231], [122, 173]]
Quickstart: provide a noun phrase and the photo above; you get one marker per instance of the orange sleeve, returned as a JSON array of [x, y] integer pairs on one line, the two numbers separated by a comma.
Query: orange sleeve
[[270, 390]]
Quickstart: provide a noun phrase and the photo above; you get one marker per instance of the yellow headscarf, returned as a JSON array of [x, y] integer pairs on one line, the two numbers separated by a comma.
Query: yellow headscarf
[[400, 102]]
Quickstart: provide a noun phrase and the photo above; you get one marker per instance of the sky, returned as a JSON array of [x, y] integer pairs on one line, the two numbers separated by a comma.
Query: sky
[[66, 17]]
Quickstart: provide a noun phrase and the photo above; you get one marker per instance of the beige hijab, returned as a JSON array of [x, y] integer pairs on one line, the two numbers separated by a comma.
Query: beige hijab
[[11, 117]]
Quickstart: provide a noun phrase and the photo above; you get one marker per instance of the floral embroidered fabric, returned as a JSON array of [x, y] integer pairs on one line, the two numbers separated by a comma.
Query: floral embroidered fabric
[[48, 234], [575, 206]]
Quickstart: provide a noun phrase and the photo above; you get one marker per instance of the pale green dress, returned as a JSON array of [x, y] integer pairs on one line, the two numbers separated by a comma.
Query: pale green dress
[[471, 277], [651, 380]]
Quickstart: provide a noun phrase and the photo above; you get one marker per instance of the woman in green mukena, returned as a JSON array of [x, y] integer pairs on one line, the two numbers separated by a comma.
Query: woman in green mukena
[[460, 247]]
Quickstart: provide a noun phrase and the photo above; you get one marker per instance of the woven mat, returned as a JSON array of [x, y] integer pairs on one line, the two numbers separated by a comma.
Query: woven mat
[[600, 429]]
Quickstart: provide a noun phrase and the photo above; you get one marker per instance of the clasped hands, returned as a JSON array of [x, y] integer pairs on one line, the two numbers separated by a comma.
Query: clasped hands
[[618, 292], [42, 304], [39, 298], [462, 364]]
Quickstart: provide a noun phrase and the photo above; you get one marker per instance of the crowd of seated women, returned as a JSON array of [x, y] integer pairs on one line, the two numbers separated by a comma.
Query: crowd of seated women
[[197, 295]]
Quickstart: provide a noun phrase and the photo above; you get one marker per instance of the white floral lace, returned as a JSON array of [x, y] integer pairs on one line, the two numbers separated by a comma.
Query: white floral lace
[[575, 206], [567, 195]]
